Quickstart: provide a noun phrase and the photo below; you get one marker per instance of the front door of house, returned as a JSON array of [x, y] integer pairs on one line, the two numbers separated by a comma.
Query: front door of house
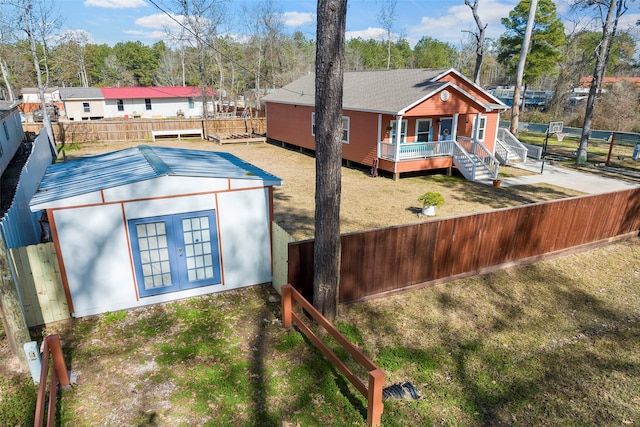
[[175, 252], [446, 129]]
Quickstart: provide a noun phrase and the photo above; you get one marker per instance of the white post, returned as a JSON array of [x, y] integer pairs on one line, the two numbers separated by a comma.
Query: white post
[[454, 127], [379, 134], [398, 135]]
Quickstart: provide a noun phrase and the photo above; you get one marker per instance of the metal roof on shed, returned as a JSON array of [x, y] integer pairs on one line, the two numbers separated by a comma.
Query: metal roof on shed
[[82, 176]]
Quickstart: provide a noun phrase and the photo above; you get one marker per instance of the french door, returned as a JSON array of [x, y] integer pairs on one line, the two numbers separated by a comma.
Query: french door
[[175, 252]]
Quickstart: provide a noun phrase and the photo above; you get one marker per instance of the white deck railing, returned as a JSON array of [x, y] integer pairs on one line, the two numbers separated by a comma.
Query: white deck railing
[[416, 150]]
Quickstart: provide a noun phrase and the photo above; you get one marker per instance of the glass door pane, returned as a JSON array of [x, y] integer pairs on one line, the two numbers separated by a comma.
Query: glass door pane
[[198, 253], [153, 252]]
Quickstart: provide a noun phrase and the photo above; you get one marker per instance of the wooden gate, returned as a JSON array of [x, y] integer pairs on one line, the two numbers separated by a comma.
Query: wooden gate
[[279, 256], [40, 284]]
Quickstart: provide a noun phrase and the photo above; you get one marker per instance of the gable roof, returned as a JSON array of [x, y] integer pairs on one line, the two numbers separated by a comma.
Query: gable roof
[[153, 92], [388, 91], [69, 93], [141, 163]]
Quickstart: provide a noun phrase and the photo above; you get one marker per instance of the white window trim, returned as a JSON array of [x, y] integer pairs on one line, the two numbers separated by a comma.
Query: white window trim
[[430, 134], [477, 128], [348, 127], [403, 135]]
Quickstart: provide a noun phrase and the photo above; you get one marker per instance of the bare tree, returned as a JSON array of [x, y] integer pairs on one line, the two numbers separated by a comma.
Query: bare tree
[[328, 127], [479, 36], [515, 110], [201, 19], [37, 20], [387, 17], [598, 74]]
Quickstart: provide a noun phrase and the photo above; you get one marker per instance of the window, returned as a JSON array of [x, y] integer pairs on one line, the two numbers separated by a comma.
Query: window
[[86, 107], [423, 130], [394, 130], [480, 125], [120, 103], [147, 103], [191, 103], [176, 252], [6, 130], [346, 123]]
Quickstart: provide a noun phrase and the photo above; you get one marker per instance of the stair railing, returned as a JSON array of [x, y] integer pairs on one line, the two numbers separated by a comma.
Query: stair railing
[[513, 143]]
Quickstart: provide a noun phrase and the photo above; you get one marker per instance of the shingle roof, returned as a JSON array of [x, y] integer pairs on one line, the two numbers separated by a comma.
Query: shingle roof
[[153, 92], [80, 93], [82, 176], [386, 91]]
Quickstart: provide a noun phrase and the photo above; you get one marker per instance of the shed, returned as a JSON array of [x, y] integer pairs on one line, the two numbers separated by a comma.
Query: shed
[[147, 225]]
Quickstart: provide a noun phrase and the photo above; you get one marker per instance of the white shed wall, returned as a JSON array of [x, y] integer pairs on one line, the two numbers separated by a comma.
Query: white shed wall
[[95, 248], [245, 236]]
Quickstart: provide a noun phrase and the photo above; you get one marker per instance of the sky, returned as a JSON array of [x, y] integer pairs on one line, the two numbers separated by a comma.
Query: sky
[[114, 21]]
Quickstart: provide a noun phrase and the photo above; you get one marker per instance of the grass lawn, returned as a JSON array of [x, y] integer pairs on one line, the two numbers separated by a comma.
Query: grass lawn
[[556, 342], [553, 343]]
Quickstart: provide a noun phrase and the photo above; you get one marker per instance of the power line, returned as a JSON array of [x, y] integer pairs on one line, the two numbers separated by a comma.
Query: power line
[[205, 42]]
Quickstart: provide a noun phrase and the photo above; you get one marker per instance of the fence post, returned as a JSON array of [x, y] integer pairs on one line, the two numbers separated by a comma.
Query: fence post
[[53, 341], [286, 306], [374, 400]]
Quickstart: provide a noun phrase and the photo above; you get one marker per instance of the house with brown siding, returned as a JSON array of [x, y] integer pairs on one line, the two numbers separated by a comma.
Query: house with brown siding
[[399, 120]]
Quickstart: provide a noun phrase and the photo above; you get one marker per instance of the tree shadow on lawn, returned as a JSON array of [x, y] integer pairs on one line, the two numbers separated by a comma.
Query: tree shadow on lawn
[[507, 346]]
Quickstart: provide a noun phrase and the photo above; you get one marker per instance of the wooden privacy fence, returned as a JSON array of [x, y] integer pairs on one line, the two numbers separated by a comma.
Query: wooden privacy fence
[[140, 129], [373, 392], [395, 258], [59, 374], [39, 284]]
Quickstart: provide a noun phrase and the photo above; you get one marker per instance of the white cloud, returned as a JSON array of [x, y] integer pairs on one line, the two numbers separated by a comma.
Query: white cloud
[[116, 4], [78, 35], [368, 34], [459, 18], [160, 21], [297, 19], [154, 35]]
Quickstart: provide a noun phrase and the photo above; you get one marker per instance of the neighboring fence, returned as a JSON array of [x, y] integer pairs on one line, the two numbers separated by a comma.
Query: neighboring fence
[[140, 129], [373, 392], [19, 225], [279, 254], [39, 284], [390, 259], [59, 374]]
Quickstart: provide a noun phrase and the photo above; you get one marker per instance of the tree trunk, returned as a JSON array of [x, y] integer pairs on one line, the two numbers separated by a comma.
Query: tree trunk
[[5, 77], [328, 139], [15, 325], [515, 110], [598, 73], [46, 123], [479, 40]]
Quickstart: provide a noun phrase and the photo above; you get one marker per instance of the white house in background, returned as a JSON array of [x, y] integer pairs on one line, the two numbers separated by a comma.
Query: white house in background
[[82, 103], [11, 133], [147, 225], [154, 102], [31, 95]]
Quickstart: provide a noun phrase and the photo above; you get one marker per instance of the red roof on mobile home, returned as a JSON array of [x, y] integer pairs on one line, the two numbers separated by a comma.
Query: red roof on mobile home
[[153, 92]]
